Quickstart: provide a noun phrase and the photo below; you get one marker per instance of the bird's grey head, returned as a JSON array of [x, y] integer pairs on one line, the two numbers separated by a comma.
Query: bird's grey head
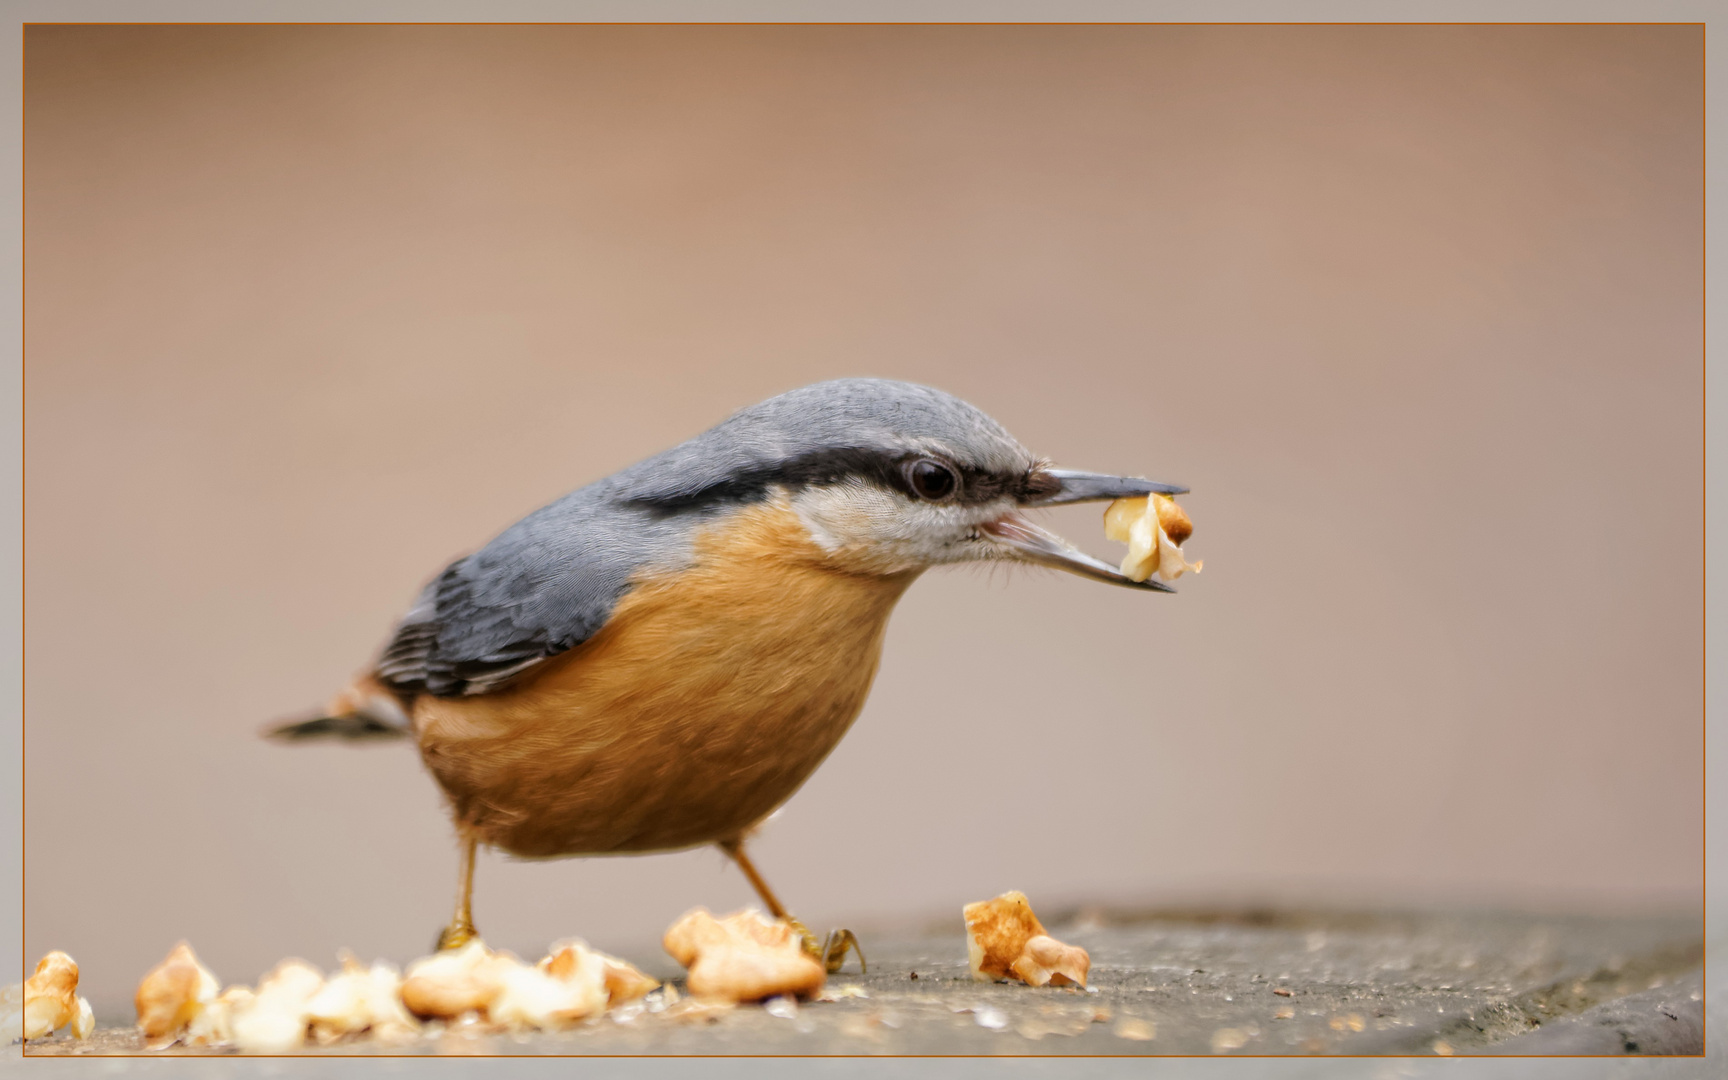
[[887, 477]]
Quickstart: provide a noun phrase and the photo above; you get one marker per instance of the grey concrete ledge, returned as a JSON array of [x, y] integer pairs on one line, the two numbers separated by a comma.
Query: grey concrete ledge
[[1666, 1020], [1192, 983]]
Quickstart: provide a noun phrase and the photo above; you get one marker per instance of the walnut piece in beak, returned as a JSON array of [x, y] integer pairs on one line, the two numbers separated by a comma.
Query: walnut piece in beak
[[1154, 528]]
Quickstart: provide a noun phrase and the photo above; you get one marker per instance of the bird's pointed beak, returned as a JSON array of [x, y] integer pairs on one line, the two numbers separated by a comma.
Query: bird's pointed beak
[[1059, 486], [1029, 543]]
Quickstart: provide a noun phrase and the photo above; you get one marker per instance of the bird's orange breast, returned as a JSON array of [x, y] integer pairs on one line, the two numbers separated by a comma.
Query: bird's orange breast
[[708, 697]]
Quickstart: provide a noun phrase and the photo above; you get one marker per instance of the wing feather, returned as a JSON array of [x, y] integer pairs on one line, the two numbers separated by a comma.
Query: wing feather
[[542, 587]]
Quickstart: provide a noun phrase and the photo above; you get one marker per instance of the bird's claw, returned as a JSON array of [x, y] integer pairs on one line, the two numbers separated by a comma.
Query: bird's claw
[[456, 935], [831, 952], [835, 948]]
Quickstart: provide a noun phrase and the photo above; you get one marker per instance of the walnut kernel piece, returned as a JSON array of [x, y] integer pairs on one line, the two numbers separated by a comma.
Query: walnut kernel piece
[[1173, 520], [1153, 528], [448, 984], [84, 1024], [51, 995], [11, 1014], [562, 989], [997, 932], [361, 999], [276, 1019], [43, 1003], [171, 995], [214, 1024], [625, 981], [573, 959], [1047, 961], [530, 997], [1004, 939], [743, 957]]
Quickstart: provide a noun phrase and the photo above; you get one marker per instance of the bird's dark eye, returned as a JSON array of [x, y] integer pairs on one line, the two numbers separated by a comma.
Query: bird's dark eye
[[931, 479]]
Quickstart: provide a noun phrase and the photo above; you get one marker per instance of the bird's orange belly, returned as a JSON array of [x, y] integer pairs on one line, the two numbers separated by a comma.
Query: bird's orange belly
[[708, 697]]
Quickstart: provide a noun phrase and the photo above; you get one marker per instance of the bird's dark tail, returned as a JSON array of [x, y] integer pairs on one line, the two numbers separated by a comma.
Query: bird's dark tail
[[366, 711]]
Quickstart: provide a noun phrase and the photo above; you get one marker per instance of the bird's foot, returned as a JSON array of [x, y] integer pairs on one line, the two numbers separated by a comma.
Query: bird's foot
[[804, 936], [831, 951], [456, 935], [834, 950]]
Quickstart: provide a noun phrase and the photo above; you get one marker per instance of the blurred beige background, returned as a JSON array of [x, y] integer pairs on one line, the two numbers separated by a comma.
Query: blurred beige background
[[1416, 312]]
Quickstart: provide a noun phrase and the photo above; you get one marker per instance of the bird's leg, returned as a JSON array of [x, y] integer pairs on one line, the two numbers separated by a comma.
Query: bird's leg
[[461, 929], [832, 951]]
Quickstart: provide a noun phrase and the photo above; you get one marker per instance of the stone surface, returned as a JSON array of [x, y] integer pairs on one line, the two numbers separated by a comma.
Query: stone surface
[[1192, 983], [1666, 1020]]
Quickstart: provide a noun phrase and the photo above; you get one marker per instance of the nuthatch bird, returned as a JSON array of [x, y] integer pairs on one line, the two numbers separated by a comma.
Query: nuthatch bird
[[659, 660]]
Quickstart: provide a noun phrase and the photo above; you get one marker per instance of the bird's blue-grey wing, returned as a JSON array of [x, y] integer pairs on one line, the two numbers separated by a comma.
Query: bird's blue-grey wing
[[544, 586]]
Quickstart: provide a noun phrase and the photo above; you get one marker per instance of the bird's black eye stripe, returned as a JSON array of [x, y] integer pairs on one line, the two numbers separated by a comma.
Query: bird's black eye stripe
[[917, 477], [930, 479]]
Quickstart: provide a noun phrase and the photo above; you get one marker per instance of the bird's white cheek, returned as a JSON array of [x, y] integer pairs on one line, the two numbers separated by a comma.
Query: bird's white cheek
[[871, 529], [840, 516], [856, 526]]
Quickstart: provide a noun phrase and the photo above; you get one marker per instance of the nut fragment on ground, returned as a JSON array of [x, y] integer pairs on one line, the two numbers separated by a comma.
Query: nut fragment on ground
[[277, 1016], [360, 999], [1004, 939], [214, 1024], [745, 956], [84, 1024], [566, 986], [530, 999], [997, 932], [574, 959], [45, 1002], [171, 995], [1047, 961], [1153, 527], [448, 984]]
